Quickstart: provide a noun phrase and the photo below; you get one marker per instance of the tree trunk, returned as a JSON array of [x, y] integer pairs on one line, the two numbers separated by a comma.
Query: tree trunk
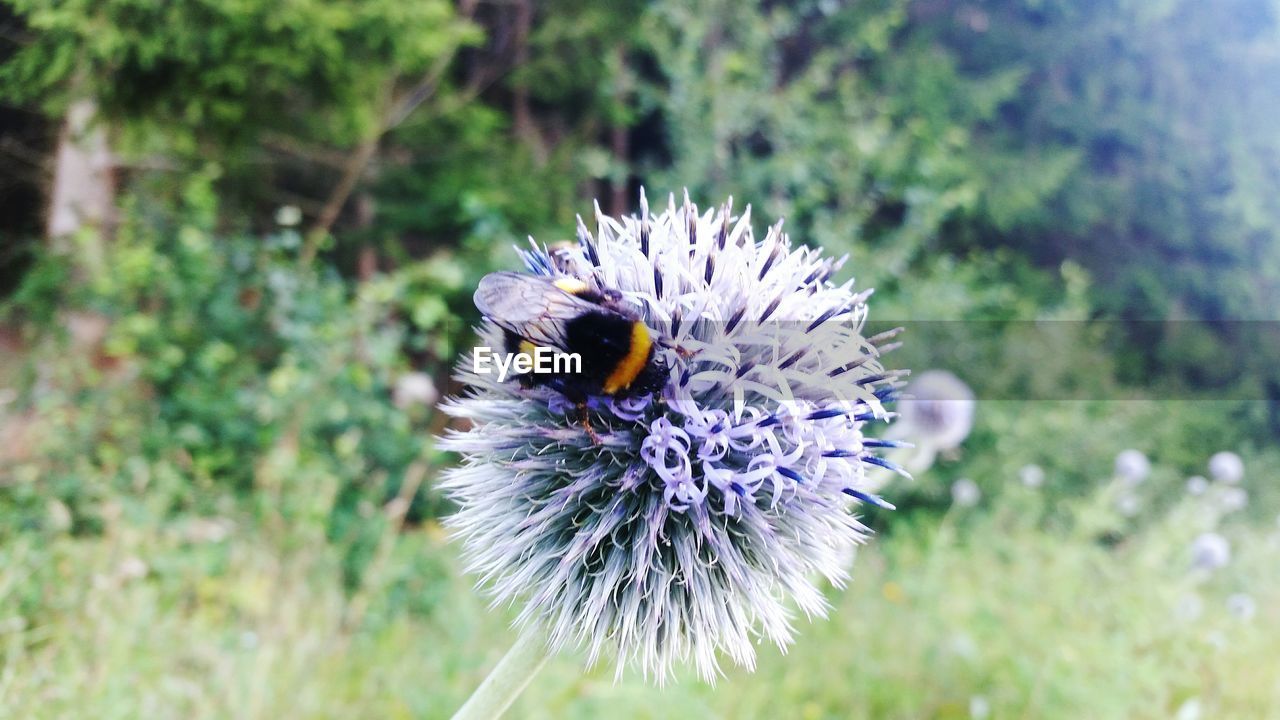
[[83, 191]]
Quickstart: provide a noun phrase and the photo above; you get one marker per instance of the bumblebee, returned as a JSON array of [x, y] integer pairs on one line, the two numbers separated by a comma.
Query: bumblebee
[[618, 353]]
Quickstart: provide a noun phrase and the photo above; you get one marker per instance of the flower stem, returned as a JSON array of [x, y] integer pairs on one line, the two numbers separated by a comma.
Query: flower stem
[[505, 682]]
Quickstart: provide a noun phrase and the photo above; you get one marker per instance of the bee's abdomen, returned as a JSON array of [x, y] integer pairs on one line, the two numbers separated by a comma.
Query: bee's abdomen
[[614, 349], [639, 353]]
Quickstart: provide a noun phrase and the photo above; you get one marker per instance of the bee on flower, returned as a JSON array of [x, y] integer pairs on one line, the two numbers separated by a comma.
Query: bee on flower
[[667, 500]]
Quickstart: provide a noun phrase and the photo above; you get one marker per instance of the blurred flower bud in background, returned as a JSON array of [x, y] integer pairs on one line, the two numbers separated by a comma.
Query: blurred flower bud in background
[[965, 493], [1226, 467], [938, 409], [1232, 499], [936, 415], [414, 388], [1189, 709], [1031, 475], [1242, 606], [288, 216], [1190, 607], [1132, 466], [1128, 504], [1210, 551]]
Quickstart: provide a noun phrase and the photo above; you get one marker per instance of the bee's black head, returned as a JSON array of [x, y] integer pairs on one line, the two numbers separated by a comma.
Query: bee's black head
[[610, 297], [651, 379]]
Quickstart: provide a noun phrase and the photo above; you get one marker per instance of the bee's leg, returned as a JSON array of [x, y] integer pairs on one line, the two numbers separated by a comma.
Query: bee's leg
[[684, 352], [586, 423]]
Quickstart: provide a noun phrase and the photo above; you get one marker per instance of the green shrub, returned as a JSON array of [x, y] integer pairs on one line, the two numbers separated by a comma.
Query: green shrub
[[226, 374]]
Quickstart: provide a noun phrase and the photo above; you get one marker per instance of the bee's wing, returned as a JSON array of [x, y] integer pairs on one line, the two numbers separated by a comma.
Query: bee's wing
[[529, 306]]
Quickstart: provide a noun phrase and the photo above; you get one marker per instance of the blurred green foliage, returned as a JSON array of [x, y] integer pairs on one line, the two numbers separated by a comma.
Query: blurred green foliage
[[1165, 106], [226, 370], [836, 117], [190, 72], [1110, 133]]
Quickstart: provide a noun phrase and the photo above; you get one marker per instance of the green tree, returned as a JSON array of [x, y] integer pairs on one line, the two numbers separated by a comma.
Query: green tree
[[1168, 105], [834, 115]]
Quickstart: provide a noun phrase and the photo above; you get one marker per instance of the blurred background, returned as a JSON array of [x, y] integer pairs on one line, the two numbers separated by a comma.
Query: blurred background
[[238, 242]]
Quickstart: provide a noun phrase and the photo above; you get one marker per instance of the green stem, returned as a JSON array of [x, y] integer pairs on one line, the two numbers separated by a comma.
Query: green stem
[[505, 682]]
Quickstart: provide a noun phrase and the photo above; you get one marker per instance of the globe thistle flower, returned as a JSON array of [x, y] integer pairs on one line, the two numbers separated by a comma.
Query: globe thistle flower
[[683, 524], [1232, 499], [1189, 709], [963, 646], [1197, 485], [965, 493], [1031, 476], [1242, 606], [414, 388], [1216, 640], [937, 410], [1132, 466], [133, 568], [1210, 551], [288, 215], [1189, 608], [1128, 504], [1226, 467]]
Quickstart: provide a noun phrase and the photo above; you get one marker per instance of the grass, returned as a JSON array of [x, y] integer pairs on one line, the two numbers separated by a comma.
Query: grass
[[985, 607]]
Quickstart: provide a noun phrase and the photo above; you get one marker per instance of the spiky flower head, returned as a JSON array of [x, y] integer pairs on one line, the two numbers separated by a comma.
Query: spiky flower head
[[687, 523]]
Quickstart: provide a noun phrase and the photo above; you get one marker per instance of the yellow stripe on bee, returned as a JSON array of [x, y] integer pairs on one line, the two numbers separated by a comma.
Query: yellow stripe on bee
[[527, 348], [632, 363], [571, 285]]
